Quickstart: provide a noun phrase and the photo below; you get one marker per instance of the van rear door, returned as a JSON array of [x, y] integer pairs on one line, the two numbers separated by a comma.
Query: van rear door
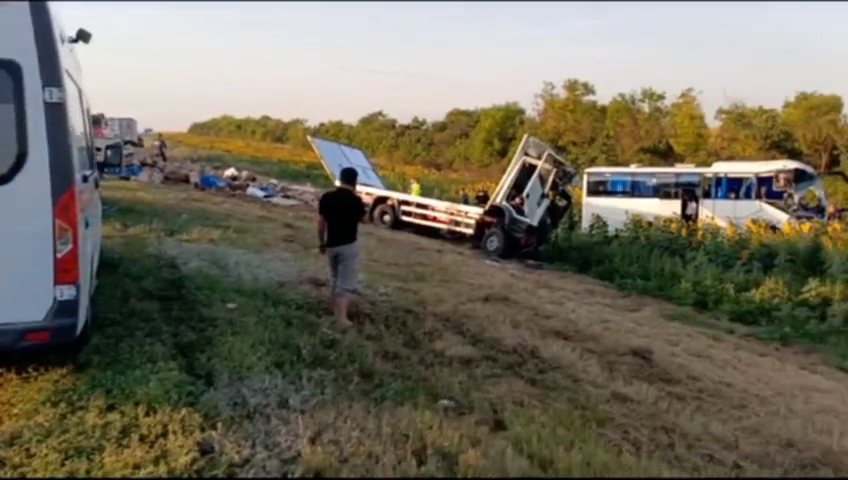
[[26, 210]]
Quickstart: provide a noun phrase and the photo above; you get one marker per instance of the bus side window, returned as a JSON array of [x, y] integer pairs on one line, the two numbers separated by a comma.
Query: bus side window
[[644, 186], [765, 185], [727, 188], [748, 189], [707, 187], [734, 188], [596, 185], [688, 183], [608, 185]]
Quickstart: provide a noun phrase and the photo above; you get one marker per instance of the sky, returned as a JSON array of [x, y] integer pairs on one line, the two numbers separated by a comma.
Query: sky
[[169, 64]]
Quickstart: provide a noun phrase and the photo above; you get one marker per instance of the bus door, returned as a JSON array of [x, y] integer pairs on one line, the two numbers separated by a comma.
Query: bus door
[[689, 185]]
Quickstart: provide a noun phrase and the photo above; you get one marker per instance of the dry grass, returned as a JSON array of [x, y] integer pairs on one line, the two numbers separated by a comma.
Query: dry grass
[[456, 366]]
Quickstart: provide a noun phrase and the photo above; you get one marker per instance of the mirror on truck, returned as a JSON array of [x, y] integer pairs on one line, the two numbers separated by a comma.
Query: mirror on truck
[[113, 159]]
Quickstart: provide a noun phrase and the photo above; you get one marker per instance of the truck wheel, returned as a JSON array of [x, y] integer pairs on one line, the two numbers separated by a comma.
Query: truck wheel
[[384, 216], [494, 242]]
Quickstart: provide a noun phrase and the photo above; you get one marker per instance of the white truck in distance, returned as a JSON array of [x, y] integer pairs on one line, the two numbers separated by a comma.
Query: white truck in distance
[[525, 208], [115, 130], [124, 128]]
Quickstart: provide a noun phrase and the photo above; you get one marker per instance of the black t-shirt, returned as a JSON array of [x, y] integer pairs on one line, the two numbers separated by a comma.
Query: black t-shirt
[[342, 209]]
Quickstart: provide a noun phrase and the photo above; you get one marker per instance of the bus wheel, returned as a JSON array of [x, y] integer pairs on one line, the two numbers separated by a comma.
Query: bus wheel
[[384, 216], [494, 242]]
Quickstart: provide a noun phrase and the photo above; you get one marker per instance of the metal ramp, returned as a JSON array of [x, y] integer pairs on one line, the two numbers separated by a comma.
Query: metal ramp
[[336, 156]]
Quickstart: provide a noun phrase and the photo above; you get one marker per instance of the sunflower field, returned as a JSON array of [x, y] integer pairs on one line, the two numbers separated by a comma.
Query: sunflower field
[[792, 283]]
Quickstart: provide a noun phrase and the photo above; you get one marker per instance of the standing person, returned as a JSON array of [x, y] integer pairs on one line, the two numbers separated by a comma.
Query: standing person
[[339, 214], [690, 208], [160, 147], [832, 213], [415, 188], [482, 197], [463, 197]]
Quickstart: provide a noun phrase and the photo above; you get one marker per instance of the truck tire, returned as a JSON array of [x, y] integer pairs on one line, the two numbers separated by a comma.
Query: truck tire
[[385, 216], [495, 243]]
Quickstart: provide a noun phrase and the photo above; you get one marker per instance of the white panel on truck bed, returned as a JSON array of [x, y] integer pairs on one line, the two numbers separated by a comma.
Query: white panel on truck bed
[[335, 156]]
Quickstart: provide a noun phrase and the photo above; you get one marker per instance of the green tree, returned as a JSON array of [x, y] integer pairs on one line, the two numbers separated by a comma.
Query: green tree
[[573, 120], [817, 122], [635, 127], [687, 127], [495, 132], [751, 133]]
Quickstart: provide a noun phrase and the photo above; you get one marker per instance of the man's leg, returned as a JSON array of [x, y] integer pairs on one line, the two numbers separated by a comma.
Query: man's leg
[[333, 258], [345, 283]]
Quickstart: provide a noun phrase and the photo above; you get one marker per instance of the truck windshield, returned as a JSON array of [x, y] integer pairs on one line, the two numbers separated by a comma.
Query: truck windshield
[[113, 156]]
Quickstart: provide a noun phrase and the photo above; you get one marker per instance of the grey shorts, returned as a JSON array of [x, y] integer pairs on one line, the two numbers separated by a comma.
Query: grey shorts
[[344, 269]]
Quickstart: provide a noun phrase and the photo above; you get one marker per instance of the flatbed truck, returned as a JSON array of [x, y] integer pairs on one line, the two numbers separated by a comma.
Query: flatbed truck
[[525, 209]]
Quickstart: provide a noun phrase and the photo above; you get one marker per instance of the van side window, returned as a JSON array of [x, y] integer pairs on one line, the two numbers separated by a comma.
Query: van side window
[[79, 125], [13, 135]]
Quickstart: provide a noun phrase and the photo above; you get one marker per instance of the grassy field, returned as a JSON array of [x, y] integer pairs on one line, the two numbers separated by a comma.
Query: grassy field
[[213, 355]]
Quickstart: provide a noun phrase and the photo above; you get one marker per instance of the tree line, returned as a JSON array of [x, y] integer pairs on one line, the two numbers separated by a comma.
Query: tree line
[[645, 126]]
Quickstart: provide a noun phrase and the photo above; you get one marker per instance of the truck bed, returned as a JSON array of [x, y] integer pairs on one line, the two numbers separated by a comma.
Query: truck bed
[[429, 212]]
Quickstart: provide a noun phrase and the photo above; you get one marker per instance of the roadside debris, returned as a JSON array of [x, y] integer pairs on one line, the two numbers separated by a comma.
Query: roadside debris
[[231, 179]]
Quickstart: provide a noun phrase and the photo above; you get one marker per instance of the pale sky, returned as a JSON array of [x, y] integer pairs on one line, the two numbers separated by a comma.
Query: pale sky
[[169, 64]]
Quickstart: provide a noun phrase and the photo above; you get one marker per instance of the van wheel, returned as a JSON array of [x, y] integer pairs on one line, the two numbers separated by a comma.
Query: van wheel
[[385, 216], [494, 243]]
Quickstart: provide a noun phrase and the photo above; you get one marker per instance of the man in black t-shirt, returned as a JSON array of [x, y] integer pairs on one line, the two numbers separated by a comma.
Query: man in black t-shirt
[[339, 214]]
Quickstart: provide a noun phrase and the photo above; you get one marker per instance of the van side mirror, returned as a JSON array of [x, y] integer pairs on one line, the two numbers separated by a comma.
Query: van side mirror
[[82, 35]]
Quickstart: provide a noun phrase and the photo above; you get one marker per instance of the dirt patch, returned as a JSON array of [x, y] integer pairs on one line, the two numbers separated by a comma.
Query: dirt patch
[[262, 268], [265, 414], [454, 346], [671, 388]]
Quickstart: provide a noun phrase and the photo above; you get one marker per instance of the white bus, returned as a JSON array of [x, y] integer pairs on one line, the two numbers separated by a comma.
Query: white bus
[[726, 192], [49, 188]]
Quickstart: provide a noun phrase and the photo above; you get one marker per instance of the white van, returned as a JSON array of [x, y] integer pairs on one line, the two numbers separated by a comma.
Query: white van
[[50, 212]]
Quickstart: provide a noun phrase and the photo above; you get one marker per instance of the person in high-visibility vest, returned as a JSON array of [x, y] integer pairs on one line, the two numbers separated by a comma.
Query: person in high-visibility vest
[[415, 188]]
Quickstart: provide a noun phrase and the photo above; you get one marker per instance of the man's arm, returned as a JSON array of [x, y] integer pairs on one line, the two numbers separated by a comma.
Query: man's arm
[[364, 217], [322, 222], [322, 230]]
